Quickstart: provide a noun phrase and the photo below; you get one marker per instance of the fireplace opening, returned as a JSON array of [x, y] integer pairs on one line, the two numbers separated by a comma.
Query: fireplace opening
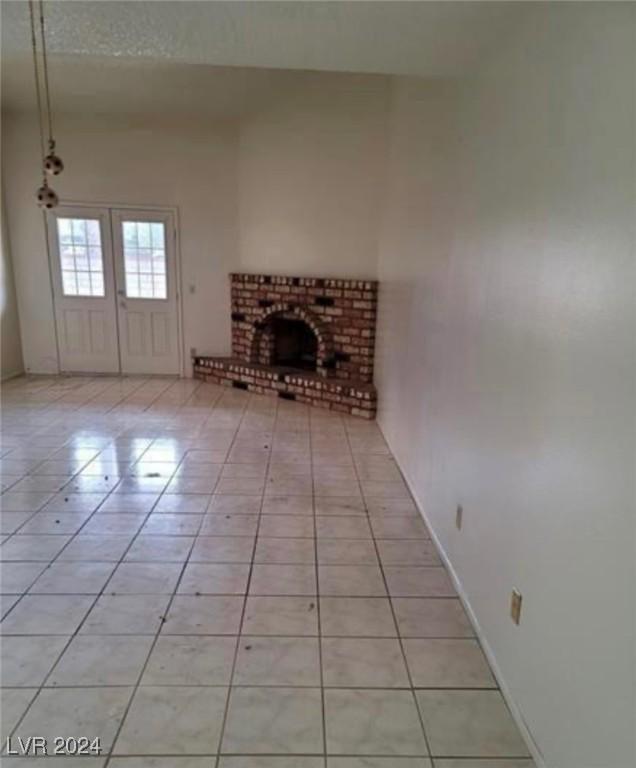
[[294, 344]]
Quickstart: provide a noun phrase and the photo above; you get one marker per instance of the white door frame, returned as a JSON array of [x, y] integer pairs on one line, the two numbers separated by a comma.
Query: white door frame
[[109, 360], [152, 320], [174, 210]]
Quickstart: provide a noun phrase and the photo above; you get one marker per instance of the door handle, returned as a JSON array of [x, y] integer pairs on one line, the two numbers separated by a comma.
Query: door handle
[[121, 292], [122, 304]]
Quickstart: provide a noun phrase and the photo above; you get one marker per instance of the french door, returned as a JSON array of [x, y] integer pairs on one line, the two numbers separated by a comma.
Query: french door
[[146, 280], [84, 289], [115, 289]]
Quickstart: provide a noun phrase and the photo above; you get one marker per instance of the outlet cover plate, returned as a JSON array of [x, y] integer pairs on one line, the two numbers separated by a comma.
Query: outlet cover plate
[[515, 606]]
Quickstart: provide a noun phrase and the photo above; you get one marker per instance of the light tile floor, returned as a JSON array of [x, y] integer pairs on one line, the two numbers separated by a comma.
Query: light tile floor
[[203, 578]]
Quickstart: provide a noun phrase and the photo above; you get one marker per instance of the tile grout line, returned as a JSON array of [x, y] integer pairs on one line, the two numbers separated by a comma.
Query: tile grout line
[[247, 585], [177, 425], [94, 602], [88, 611], [161, 623], [317, 576], [390, 598]]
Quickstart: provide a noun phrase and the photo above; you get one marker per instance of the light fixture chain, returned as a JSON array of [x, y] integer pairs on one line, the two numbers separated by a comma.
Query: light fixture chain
[[51, 163], [46, 77], [36, 70]]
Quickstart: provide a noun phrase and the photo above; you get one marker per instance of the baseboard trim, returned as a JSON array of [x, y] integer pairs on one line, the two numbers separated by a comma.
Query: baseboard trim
[[533, 748], [12, 375]]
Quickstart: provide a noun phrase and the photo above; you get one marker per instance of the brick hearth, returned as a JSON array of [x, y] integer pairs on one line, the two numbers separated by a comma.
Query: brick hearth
[[341, 314]]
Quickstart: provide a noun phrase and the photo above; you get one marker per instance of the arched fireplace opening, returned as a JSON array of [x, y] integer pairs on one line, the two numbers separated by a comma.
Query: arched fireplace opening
[[294, 344], [290, 337], [287, 341]]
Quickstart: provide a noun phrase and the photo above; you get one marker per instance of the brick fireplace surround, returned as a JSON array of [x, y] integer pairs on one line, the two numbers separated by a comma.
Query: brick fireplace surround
[[341, 315]]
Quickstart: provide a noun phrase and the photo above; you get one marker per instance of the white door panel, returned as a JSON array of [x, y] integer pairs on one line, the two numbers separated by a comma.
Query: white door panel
[[134, 341], [98, 331], [160, 328], [84, 289], [115, 289], [146, 277]]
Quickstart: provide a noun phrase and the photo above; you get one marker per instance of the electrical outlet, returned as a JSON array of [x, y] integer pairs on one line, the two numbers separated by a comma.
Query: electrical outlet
[[515, 606], [459, 516]]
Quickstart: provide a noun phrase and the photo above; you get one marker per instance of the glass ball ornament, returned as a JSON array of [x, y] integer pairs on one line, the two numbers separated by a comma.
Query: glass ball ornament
[[46, 197], [53, 164]]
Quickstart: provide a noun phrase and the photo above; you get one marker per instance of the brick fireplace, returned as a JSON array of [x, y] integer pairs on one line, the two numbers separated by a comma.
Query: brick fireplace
[[301, 338]]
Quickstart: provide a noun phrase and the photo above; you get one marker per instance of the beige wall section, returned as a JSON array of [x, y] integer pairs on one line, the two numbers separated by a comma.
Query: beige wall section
[[311, 173], [300, 179], [10, 344], [505, 353], [506, 360], [158, 161]]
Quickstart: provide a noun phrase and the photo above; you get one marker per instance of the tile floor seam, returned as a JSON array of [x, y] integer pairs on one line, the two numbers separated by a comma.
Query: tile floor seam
[[137, 684], [93, 604], [395, 621], [159, 629], [239, 631], [328, 450], [318, 609]]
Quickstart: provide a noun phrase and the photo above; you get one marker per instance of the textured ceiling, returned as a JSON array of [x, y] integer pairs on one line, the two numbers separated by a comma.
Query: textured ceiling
[[103, 40]]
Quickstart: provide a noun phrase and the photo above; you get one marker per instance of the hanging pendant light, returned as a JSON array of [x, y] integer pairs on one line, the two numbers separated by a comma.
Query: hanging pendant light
[[47, 197], [52, 164]]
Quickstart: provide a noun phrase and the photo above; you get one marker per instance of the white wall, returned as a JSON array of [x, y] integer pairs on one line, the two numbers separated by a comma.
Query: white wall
[[506, 359], [139, 161], [311, 174], [10, 346], [299, 178]]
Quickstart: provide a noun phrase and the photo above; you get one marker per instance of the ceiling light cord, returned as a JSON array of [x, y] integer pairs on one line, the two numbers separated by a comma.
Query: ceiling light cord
[[51, 163], [45, 68], [38, 88]]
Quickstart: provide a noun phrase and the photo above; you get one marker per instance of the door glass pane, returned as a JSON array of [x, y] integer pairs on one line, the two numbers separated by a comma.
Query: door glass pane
[[84, 284], [69, 283], [67, 258], [81, 258], [145, 259], [64, 230], [130, 233], [97, 283], [160, 284], [132, 284], [95, 258], [80, 247], [94, 236], [143, 234], [158, 263]]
